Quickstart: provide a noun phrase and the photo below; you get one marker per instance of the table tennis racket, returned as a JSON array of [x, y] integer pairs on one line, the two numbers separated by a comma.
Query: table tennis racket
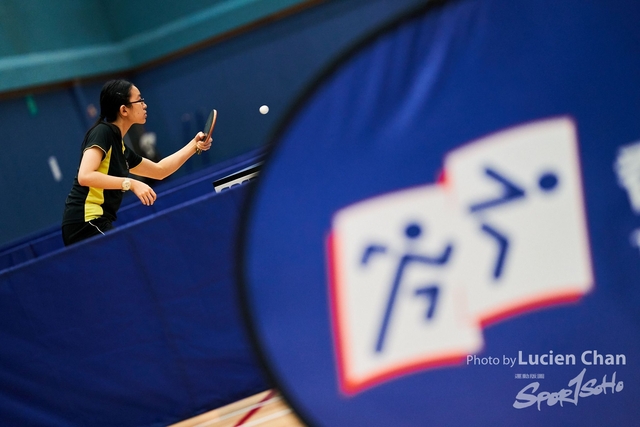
[[208, 127]]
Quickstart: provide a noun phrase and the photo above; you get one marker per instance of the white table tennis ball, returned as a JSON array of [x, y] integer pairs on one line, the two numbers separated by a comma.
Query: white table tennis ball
[[264, 109]]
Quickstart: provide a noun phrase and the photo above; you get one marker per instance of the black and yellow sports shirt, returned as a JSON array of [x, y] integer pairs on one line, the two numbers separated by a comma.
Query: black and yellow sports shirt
[[87, 203]]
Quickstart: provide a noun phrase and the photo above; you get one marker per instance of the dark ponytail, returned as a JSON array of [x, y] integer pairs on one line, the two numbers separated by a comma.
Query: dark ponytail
[[114, 94]]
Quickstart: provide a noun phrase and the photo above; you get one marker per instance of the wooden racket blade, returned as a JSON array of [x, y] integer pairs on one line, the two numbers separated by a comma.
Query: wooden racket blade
[[209, 125]]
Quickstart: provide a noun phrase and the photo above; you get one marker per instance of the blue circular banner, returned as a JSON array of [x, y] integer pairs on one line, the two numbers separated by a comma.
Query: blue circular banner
[[446, 230]]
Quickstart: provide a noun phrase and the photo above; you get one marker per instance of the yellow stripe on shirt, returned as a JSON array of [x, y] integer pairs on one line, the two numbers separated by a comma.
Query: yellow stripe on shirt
[[95, 198]]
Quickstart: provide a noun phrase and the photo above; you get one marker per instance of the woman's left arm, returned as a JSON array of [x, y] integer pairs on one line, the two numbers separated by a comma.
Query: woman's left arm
[[172, 163]]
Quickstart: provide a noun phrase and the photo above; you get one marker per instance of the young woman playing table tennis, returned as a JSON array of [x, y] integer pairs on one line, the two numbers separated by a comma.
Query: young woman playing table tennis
[[106, 161]]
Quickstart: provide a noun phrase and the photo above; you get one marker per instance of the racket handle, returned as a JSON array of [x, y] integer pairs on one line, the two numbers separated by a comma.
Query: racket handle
[[198, 151]]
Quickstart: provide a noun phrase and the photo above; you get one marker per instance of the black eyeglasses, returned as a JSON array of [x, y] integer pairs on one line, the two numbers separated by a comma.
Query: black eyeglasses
[[135, 102]]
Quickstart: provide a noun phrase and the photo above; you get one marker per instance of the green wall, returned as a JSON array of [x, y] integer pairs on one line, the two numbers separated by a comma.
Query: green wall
[[49, 42]]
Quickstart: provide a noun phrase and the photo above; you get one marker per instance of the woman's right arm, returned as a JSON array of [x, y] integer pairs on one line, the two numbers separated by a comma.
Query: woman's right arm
[[88, 176]]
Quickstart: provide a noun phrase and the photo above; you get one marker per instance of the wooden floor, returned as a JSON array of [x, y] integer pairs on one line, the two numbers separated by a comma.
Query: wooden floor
[[266, 409]]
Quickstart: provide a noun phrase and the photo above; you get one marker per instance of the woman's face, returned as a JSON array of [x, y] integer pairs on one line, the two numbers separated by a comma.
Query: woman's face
[[137, 108]]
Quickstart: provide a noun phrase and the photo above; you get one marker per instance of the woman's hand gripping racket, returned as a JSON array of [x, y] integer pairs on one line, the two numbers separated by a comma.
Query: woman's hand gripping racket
[[208, 127]]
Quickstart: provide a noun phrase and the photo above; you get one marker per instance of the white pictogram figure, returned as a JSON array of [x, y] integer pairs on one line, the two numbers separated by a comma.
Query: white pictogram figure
[[430, 291], [627, 167], [634, 238]]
